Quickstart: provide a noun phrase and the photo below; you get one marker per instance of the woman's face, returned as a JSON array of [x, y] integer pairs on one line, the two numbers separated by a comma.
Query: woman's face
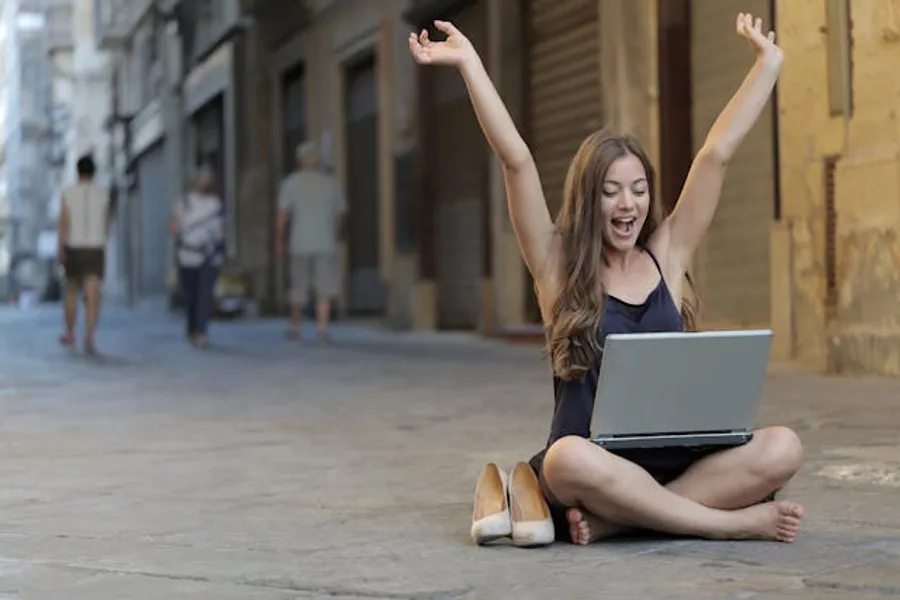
[[624, 203], [204, 182]]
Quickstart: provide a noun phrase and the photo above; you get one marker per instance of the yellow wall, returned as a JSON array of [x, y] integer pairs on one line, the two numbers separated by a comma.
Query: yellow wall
[[863, 334]]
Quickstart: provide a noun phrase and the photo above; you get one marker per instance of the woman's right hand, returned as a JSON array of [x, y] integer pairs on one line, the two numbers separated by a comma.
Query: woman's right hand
[[454, 51]]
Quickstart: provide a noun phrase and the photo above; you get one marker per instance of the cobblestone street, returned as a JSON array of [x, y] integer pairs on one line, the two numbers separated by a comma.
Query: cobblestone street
[[264, 469]]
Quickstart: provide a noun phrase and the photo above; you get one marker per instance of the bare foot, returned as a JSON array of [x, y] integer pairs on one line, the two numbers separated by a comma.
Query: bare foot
[[67, 339], [776, 521], [585, 528]]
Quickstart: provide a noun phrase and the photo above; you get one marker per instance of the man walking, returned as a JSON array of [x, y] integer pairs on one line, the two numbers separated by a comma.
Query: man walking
[[311, 202], [84, 222]]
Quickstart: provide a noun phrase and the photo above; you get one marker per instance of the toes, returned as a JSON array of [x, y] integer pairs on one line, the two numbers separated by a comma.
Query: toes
[[789, 509], [789, 515], [579, 530], [786, 538], [584, 535]]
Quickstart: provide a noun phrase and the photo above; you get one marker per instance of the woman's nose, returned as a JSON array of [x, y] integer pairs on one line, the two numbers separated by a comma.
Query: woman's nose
[[625, 200]]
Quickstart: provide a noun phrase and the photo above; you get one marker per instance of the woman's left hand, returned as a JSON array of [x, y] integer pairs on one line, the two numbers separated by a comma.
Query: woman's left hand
[[763, 43]]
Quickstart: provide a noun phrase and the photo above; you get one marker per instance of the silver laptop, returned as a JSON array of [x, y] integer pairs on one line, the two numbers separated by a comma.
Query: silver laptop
[[680, 389]]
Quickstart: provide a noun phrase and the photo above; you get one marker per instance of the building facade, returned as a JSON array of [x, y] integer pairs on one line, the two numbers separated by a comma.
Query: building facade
[[144, 139], [836, 255], [26, 107], [238, 84], [6, 213]]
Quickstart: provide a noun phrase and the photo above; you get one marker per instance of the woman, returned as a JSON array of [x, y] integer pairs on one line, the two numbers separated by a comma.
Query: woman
[[613, 262], [199, 224]]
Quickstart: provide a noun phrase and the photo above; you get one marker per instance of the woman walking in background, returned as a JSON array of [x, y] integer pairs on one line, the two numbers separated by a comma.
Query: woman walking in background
[[199, 225]]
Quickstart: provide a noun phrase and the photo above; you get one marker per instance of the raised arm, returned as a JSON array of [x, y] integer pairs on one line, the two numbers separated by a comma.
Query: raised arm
[[525, 197], [700, 197]]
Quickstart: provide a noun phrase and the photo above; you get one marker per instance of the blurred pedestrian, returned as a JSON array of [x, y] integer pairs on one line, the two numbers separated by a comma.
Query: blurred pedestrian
[[85, 219], [311, 203], [199, 224]]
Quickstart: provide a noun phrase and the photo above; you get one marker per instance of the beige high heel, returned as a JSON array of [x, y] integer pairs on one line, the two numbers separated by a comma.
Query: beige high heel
[[490, 515], [532, 524]]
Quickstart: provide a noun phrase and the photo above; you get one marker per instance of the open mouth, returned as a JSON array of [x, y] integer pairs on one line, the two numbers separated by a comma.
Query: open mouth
[[624, 226]]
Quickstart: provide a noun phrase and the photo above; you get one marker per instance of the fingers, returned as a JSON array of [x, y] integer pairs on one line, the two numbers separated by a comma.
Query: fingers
[[414, 45], [418, 46], [744, 24], [751, 27], [446, 27]]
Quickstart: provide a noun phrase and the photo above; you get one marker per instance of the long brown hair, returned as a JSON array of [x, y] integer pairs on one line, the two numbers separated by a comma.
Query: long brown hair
[[572, 332]]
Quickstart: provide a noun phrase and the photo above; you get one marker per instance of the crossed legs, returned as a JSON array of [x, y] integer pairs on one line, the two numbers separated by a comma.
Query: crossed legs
[[718, 497]]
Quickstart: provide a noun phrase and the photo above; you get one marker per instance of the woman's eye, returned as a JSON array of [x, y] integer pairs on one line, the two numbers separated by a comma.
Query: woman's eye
[[609, 193]]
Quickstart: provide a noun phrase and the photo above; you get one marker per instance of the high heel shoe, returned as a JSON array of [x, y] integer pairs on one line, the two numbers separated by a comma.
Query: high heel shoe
[[490, 516], [532, 524]]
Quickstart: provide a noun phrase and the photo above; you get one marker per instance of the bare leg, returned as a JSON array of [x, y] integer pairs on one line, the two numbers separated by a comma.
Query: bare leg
[[728, 480], [293, 331], [325, 280], [323, 316], [300, 273], [92, 297], [616, 493], [743, 476], [70, 310]]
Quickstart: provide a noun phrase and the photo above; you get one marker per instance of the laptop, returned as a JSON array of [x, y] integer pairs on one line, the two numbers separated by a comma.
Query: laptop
[[680, 389]]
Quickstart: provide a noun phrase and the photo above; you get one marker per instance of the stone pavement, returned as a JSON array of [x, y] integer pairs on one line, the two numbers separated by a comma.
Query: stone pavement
[[268, 470]]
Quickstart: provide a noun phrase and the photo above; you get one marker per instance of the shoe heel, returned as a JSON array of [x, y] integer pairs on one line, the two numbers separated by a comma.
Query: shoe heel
[[490, 515], [530, 517]]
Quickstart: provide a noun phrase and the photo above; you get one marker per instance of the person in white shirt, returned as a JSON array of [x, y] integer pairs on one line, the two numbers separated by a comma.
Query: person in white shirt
[[198, 222], [312, 205], [85, 219]]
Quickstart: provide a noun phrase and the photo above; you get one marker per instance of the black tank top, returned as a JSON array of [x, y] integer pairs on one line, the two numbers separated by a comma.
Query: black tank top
[[574, 399]]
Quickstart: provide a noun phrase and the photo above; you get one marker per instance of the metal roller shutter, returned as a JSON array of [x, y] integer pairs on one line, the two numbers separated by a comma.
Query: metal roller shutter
[[366, 292], [562, 92], [733, 269], [155, 215], [461, 187], [564, 96]]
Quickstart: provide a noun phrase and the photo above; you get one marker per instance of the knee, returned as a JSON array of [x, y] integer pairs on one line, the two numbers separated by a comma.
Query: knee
[[779, 456], [572, 463]]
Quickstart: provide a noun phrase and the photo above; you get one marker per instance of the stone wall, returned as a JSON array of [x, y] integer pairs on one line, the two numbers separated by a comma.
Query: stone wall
[[852, 325]]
